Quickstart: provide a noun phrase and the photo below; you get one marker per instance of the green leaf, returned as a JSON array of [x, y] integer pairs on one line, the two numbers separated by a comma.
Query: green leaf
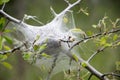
[[89, 33], [26, 56], [37, 37], [3, 1], [118, 65], [35, 47], [103, 41], [115, 37], [42, 47], [7, 47], [75, 57], [84, 64], [1, 42], [2, 23], [65, 20], [46, 55], [7, 30], [7, 65], [8, 39], [78, 31], [94, 26], [3, 57]]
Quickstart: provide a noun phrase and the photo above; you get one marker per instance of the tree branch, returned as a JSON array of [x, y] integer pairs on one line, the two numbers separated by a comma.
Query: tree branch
[[12, 50], [87, 65], [10, 17], [94, 36], [112, 74], [102, 49]]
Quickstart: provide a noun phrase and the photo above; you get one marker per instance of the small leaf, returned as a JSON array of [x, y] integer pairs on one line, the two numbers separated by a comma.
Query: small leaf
[[8, 39], [26, 56], [37, 37], [84, 64], [108, 45], [42, 47], [35, 47], [118, 43], [6, 47], [94, 26], [115, 37], [7, 65], [75, 57], [1, 42], [118, 65], [89, 33], [3, 57], [77, 30], [2, 23], [7, 30], [65, 20], [45, 55], [103, 41]]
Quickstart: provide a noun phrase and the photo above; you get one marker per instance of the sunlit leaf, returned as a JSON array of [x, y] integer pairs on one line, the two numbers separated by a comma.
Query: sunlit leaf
[[1, 42], [35, 47], [94, 26], [108, 45], [46, 55], [2, 23], [7, 65], [103, 41], [3, 57], [6, 47], [115, 37], [83, 64], [89, 33], [7, 30], [42, 47], [77, 30], [75, 57], [65, 20], [37, 37], [26, 56], [118, 65]]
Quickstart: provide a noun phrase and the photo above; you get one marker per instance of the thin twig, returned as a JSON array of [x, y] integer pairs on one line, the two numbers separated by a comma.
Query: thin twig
[[96, 52], [52, 67], [102, 49], [112, 74], [90, 76], [94, 36], [12, 50]]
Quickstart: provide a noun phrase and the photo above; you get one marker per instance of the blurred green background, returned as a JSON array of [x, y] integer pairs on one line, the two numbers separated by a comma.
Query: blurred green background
[[104, 62]]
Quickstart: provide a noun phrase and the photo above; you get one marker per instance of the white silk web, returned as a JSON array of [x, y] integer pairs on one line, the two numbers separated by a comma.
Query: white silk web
[[53, 39]]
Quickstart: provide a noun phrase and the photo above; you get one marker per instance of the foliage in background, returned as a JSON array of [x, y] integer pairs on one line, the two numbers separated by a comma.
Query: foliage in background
[[104, 41]]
